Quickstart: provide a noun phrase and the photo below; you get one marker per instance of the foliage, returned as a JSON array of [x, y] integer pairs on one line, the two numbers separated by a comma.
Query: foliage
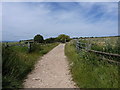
[[63, 38], [90, 70], [38, 38], [34, 47], [50, 40]]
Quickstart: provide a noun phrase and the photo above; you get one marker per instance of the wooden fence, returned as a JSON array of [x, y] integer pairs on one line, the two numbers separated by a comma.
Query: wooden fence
[[9, 45], [87, 47], [23, 44]]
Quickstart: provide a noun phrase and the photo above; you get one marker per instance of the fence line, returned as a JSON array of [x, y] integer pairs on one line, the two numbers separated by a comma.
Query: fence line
[[23, 44], [28, 45], [112, 61], [88, 48], [9, 45], [104, 53]]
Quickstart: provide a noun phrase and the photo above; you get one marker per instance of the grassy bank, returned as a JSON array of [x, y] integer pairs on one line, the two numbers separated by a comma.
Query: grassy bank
[[17, 63], [89, 70]]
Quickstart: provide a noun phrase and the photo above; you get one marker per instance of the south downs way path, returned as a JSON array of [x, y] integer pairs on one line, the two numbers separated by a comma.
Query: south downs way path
[[51, 71]]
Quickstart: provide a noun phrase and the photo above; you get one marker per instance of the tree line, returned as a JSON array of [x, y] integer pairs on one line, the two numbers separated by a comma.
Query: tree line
[[61, 38]]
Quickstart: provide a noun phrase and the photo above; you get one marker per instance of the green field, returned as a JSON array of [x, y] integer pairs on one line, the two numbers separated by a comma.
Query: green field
[[17, 62], [90, 70]]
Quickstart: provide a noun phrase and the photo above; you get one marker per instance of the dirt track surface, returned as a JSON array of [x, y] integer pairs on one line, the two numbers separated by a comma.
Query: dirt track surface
[[51, 71]]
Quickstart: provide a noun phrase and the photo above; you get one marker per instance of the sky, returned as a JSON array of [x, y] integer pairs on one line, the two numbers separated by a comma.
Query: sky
[[23, 20]]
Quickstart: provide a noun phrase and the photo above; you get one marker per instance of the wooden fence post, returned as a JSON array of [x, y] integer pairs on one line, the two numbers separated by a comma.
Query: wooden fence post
[[6, 44], [29, 47]]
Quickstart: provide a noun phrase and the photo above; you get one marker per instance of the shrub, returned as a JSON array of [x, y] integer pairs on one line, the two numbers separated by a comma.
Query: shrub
[[63, 38], [38, 38], [50, 40]]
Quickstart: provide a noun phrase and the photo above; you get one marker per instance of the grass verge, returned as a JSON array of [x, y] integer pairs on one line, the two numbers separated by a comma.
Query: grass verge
[[17, 63], [89, 70]]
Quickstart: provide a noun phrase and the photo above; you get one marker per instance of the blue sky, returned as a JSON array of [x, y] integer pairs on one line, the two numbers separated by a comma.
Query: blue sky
[[23, 20]]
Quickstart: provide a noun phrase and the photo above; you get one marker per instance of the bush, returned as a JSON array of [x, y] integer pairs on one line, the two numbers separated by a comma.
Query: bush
[[63, 38], [38, 38], [50, 40], [35, 48]]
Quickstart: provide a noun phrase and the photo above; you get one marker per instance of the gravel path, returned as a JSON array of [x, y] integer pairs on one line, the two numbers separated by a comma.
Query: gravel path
[[52, 71]]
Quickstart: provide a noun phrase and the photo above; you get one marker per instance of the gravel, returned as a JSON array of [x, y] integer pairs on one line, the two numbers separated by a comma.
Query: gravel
[[51, 71]]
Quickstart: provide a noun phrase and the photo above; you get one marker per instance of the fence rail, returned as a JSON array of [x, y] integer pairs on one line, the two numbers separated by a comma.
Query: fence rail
[[88, 48], [9, 45], [28, 45], [23, 44], [104, 53]]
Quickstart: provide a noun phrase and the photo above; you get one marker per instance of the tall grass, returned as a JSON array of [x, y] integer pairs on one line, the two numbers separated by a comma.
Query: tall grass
[[17, 63], [89, 70]]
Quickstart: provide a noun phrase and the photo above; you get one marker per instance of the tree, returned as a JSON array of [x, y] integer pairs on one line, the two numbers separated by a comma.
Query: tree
[[38, 38], [63, 38]]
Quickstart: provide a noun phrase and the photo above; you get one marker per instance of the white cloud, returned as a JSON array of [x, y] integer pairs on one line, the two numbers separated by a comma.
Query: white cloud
[[60, 0], [24, 20]]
